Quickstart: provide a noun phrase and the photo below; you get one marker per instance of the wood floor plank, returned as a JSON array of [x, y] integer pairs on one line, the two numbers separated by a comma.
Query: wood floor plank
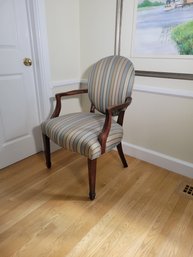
[[81, 222], [93, 214], [112, 224], [31, 172], [185, 246], [38, 199], [138, 212]]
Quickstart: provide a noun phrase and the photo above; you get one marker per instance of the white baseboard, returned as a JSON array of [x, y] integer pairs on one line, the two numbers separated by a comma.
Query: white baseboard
[[167, 162]]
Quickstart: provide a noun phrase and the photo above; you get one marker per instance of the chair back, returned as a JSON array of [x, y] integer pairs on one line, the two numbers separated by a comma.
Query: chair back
[[110, 82]]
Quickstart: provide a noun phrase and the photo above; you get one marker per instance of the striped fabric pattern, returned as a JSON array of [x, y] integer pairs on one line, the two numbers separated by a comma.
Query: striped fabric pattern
[[110, 82], [79, 132]]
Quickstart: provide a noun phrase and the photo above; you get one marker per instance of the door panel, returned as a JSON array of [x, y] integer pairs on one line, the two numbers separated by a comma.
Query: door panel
[[8, 33], [19, 120], [9, 108]]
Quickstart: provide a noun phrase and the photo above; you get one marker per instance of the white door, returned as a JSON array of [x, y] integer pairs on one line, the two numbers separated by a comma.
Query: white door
[[19, 121]]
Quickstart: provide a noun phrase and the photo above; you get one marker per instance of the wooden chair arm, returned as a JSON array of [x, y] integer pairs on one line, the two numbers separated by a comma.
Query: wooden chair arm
[[119, 107], [108, 120], [60, 95]]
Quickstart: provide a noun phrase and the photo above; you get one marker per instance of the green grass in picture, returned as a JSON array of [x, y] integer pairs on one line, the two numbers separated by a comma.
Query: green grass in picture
[[183, 36], [147, 3]]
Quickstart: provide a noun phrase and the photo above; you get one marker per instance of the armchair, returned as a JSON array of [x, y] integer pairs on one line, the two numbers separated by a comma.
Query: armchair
[[92, 134]]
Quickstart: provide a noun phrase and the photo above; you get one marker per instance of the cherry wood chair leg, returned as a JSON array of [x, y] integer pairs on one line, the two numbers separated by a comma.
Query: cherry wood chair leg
[[121, 155], [46, 141], [92, 178]]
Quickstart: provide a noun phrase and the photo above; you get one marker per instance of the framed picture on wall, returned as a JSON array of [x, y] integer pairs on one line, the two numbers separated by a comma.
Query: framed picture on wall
[[162, 36], [163, 28]]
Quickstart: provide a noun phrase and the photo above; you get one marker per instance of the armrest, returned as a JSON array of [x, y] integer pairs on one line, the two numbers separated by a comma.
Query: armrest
[[108, 120], [119, 107], [60, 95]]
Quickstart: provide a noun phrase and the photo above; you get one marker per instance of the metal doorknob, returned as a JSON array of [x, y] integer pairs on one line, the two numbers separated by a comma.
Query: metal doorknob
[[27, 62]]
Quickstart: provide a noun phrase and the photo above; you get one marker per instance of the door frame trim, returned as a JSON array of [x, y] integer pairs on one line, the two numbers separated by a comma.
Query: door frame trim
[[40, 55]]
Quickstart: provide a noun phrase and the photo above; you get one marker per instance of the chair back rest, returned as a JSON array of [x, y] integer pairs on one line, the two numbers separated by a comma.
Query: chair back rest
[[110, 82]]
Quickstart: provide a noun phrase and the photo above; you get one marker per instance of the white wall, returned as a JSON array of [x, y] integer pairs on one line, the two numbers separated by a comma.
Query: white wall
[[63, 28], [63, 39], [162, 123], [97, 30]]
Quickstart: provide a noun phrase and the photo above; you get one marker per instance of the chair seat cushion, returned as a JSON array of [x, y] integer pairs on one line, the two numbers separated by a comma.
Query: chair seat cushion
[[79, 132]]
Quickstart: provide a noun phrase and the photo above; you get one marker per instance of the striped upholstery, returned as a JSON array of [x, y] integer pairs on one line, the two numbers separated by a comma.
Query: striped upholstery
[[79, 132], [110, 82]]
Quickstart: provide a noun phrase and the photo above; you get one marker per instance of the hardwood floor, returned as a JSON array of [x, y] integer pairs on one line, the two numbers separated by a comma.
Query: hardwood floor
[[138, 212]]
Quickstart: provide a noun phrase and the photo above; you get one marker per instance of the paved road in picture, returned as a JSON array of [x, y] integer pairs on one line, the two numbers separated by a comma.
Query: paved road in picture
[[154, 25]]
